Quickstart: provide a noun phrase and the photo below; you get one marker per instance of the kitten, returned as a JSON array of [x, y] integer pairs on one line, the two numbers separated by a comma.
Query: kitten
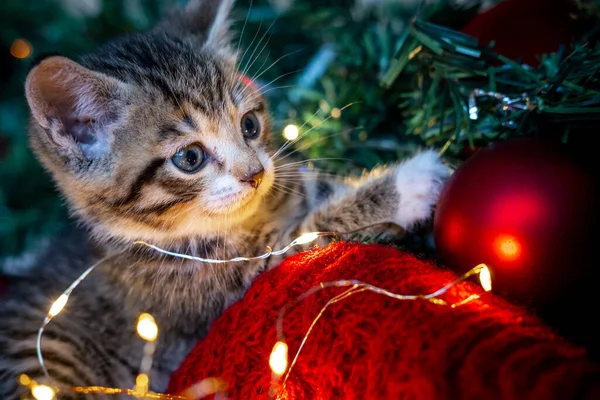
[[155, 137]]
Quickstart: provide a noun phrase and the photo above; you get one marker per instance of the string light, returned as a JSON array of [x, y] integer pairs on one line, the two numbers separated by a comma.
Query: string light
[[278, 360], [39, 392], [147, 328], [485, 278], [307, 238], [303, 239], [291, 132], [43, 392], [58, 305]]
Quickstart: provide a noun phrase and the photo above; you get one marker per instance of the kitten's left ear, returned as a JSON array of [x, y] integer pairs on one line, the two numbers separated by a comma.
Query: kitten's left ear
[[73, 105]]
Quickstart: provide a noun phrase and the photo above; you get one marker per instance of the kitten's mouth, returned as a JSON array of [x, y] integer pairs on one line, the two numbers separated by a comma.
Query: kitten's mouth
[[241, 202]]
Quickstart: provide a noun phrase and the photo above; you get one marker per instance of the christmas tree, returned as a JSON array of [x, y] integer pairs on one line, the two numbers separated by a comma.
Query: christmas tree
[[357, 83]]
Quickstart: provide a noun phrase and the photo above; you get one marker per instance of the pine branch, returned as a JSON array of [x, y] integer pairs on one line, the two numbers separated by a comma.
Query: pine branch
[[487, 100]]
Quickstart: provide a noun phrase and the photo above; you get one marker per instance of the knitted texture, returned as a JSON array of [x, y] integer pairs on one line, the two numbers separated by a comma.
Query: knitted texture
[[373, 347]]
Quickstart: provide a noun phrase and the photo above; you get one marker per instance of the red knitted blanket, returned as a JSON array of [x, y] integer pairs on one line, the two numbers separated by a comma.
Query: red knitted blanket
[[373, 347]]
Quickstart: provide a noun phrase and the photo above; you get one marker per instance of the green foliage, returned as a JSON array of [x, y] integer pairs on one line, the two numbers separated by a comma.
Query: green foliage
[[30, 208], [468, 94]]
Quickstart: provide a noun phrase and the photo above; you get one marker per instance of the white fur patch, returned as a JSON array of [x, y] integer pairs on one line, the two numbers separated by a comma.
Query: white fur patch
[[419, 182]]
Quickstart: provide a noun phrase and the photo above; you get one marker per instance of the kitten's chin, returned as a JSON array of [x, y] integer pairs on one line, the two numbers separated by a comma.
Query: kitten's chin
[[238, 209]]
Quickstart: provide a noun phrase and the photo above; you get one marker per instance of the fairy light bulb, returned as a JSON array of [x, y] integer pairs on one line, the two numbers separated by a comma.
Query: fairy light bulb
[[142, 380], [21, 48], [141, 385], [278, 360], [307, 238], [43, 392], [58, 305], [291, 132], [485, 278], [147, 328]]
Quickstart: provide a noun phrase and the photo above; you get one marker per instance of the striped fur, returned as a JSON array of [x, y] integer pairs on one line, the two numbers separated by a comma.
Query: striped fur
[[105, 128]]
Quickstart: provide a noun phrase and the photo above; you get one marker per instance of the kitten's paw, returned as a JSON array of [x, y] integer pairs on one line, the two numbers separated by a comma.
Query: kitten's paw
[[419, 182]]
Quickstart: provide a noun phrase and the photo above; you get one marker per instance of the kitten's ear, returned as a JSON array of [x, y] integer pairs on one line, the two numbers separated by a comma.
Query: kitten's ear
[[73, 105], [210, 20]]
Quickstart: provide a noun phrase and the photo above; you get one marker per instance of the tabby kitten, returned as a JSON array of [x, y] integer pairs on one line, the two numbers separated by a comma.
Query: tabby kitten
[[155, 137]]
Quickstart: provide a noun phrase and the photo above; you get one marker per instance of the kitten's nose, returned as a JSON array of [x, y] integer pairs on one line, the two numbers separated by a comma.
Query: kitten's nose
[[255, 177]]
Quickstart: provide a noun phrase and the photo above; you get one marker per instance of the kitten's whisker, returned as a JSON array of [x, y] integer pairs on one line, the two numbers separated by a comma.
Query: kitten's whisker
[[265, 90], [247, 67], [296, 172], [244, 26], [310, 178], [250, 85], [307, 145], [290, 142], [271, 89], [291, 164], [314, 127], [249, 46], [306, 176], [273, 64], [261, 92], [280, 184], [288, 190]]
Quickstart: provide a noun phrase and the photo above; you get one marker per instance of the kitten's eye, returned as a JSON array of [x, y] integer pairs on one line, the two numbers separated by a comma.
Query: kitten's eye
[[189, 159], [250, 126]]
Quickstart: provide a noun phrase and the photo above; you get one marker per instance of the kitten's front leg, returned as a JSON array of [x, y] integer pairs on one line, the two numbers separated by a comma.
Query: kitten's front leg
[[418, 182], [403, 194]]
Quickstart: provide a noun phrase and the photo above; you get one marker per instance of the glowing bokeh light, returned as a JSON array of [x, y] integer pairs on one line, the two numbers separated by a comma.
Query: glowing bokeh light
[[507, 248], [147, 328], [278, 360], [307, 238], [291, 132], [20, 48], [58, 305], [485, 277], [43, 392]]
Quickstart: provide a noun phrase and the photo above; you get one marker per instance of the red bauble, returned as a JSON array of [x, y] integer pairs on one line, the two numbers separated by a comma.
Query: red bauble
[[526, 208], [372, 347], [524, 29]]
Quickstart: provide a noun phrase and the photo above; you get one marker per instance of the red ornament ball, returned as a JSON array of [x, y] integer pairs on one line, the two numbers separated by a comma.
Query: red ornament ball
[[372, 347], [526, 208], [509, 24]]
